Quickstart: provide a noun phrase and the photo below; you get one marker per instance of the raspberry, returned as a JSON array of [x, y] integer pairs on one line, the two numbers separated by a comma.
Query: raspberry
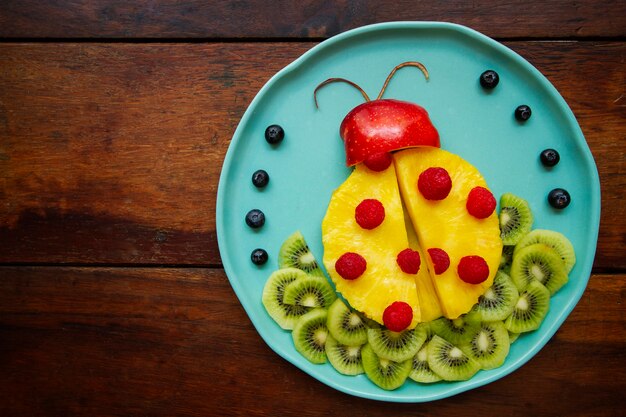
[[398, 316], [350, 265], [409, 261], [441, 260], [369, 213], [434, 183], [480, 203], [473, 269], [378, 162]]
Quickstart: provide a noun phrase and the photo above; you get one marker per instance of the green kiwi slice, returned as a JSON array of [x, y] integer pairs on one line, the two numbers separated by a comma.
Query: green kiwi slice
[[345, 359], [538, 262], [420, 370], [345, 324], [385, 373], [295, 253], [506, 259], [557, 241], [455, 331], [449, 361], [513, 337], [396, 346], [516, 219], [310, 334], [488, 344], [311, 291], [497, 302], [530, 310], [284, 314]]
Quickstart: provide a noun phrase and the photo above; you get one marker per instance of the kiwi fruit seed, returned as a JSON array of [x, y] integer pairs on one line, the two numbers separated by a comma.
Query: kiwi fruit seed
[[455, 331], [555, 240], [345, 359], [345, 324], [516, 219], [420, 371], [538, 262], [385, 373], [449, 361], [284, 314], [513, 337], [310, 334], [497, 302], [506, 259], [488, 344], [530, 310], [396, 346], [311, 291], [295, 253]]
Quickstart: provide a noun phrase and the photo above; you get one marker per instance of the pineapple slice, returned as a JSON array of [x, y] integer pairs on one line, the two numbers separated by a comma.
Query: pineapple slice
[[446, 224], [383, 282]]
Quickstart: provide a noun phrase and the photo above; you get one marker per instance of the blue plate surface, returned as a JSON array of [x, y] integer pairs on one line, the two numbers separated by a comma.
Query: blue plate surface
[[477, 124]]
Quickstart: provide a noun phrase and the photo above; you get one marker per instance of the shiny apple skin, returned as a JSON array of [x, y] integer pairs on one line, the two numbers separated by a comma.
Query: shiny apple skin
[[385, 125]]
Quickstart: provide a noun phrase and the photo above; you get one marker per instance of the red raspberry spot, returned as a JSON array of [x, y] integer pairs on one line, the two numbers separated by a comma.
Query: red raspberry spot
[[434, 183], [398, 316], [441, 260], [378, 162], [409, 261], [480, 202], [369, 213], [473, 269], [350, 265]]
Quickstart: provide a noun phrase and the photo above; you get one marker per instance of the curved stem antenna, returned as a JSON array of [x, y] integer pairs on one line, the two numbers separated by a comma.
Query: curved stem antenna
[[333, 80], [393, 71]]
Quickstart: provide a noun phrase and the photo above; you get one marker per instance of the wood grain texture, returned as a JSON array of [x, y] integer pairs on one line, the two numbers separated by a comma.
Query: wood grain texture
[[302, 19], [165, 342], [111, 153]]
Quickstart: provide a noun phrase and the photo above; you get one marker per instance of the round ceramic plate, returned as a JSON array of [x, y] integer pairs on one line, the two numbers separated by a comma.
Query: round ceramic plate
[[477, 124]]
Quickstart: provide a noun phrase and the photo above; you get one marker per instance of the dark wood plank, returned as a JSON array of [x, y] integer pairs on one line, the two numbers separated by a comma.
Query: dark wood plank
[[81, 341], [111, 153], [303, 19]]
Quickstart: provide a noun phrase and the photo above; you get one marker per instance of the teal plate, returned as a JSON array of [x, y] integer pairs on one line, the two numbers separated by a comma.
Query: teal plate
[[478, 125]]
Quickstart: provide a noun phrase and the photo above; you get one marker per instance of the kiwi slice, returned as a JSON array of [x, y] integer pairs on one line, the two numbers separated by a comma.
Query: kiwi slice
[[497, 302], [538, 262], [385, 373], [396, 346], [295, 253], [530, 310], [310, 334], [311, 291], [506, 259], [488, 344], [516, 219], [284, 314], [455, 331], [420, 370], [449, 361], [344, 358], [513, 337], [345, 324], [557, 241]]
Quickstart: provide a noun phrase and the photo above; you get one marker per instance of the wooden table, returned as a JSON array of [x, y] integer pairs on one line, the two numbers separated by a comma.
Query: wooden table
[[115, 118]]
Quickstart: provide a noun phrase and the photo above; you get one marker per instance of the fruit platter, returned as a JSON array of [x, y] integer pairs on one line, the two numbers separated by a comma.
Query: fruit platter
[[418, 244]]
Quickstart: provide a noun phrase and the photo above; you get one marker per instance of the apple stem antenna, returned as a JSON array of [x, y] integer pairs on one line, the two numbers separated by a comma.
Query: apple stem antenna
[[343, 80], [393, 71]]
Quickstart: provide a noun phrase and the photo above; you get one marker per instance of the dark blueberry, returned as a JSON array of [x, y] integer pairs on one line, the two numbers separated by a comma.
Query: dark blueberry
[[549, 157], [259, 256], [559, 198], [255, 218], [260, 178], [274, 134], [522, 113], [489, 79]]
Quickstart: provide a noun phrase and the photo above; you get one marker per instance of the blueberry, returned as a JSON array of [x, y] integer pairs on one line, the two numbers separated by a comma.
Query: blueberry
[[523, 113], [260, 178], [274, 134], [549, 157], [489, 79], [259, 256], [559, 198], [255, 218]]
